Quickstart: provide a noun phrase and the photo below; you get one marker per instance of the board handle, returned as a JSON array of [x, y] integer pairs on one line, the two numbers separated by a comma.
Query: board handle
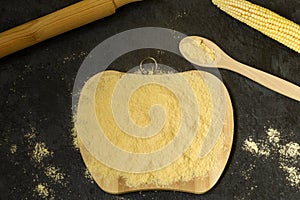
[[56, 23]]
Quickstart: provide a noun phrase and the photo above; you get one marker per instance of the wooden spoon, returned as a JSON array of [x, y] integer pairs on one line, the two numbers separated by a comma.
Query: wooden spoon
[[224, 61]]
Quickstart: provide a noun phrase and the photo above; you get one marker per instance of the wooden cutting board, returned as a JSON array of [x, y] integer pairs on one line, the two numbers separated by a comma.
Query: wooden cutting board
[[197, 186]]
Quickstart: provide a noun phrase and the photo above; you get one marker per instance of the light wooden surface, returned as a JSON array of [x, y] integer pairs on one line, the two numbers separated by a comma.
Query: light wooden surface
[[197, 186], [56, 23], [224, 61], [270, 81]]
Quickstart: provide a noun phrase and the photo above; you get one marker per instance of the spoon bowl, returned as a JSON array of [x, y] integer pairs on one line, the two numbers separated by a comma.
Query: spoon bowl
[[190, 40]]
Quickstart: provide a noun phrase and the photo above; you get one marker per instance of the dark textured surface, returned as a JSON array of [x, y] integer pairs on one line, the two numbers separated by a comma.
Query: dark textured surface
[[36, 85]]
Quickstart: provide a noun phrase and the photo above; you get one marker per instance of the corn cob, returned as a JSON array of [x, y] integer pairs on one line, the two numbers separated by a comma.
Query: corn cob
[[263, 20]]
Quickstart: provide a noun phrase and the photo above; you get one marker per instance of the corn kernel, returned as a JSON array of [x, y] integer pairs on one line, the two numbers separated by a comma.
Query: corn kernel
[[263, 20]]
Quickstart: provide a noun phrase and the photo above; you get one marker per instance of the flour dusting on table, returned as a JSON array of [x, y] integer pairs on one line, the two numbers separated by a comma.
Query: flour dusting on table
[[13, 149], [274, 145], [40, 152], [40, 155], [55, 174], [88, 176]]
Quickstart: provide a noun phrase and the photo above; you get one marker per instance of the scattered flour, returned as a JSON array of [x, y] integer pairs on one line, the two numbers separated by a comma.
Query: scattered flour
[[273, 136], [44, 192], [30, 135], [250, 146], [247, 173], [256, 148], [55, 174], [75, 139], [290, 150], [13, 149], [74, 57], [293, 174], [288, 153], [88, 176], [40, 151]]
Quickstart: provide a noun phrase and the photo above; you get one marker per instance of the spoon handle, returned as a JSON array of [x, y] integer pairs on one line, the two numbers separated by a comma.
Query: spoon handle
[[272, 82]]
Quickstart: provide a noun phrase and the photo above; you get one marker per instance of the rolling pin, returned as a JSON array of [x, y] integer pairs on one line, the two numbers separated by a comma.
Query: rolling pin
[[57, 23]]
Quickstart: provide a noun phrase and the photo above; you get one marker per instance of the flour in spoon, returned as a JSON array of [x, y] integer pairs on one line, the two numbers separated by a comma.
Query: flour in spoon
[[198, 51]]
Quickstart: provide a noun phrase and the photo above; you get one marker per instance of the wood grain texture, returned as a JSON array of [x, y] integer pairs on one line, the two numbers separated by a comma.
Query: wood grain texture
[[226, 62], [268, 80], [56, 23], [197, 186]]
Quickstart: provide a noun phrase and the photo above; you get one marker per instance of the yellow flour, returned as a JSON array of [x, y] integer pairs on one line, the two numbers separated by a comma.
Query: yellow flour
[[88, 176], [273, 135], [198, 51], [40, 151], [287, 154], [13, 149], [256, 148], [186, 167], [290, 150], [30, 135], [75, 139], [55, 174], [44, 192]]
